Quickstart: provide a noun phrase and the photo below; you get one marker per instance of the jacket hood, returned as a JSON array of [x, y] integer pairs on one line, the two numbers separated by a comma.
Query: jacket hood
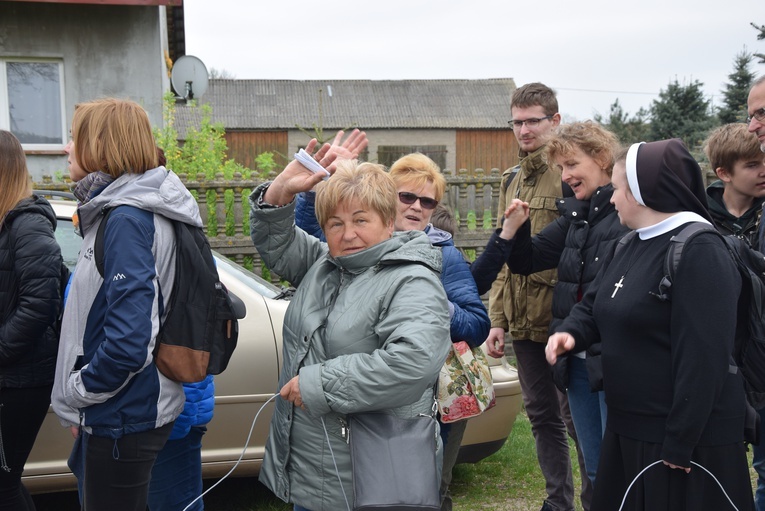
[[437, 236], [158, 190], [727, 223], [33, 204], [717, 205], [715, 201], [404, 246]]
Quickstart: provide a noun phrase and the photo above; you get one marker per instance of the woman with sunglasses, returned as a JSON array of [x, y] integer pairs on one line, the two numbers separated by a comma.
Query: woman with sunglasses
[[420, 186]]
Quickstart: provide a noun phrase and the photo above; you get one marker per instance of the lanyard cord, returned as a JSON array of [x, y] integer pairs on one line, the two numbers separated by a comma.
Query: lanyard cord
[[326, 435], [693, 463]]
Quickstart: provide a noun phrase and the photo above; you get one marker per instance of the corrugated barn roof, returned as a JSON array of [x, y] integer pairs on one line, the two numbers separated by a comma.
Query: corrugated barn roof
[[367, 104]]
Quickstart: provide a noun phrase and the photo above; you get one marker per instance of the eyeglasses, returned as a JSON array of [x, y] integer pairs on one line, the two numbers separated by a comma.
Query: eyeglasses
[[410, 198], [758, 114], [530, 123]]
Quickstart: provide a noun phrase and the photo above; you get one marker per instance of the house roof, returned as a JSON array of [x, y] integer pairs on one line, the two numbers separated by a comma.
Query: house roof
[[368, 104]]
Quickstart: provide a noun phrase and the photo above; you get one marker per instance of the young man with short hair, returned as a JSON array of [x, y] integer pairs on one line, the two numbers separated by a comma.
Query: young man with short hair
[[735, 200], [522, 304]]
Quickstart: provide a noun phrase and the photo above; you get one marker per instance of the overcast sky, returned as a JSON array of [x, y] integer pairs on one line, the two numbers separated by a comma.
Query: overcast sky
[[590, 51]]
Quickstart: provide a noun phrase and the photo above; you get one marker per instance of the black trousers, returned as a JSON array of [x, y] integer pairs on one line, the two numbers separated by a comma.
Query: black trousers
[[22, 412], [118, 472]]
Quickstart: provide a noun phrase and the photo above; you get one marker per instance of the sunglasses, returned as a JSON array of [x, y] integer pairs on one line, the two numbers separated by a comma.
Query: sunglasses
[[410, 198]]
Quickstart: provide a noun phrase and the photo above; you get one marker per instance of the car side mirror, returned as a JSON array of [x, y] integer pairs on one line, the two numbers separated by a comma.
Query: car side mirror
[[240, 309]]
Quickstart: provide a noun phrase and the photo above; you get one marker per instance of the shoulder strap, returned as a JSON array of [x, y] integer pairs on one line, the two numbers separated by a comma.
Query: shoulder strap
[[513, 173], [98, 246], [624, 241], [677, 244], [675, 252]]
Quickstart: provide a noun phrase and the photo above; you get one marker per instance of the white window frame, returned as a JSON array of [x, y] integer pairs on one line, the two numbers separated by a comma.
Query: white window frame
[[5, 111]]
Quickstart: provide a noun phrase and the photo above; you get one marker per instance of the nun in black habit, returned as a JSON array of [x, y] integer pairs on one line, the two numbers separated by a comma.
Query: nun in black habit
[[675, 408]]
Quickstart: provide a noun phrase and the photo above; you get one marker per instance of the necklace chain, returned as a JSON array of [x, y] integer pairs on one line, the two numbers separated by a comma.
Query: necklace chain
[[639, 249]]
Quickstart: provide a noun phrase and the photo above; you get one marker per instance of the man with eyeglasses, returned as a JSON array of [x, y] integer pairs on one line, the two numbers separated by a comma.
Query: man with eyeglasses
[[756, 125], [521, 305], [756, 109]]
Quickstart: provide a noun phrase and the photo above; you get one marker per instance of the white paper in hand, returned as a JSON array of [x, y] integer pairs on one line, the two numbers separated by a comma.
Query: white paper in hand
[[308, 162]]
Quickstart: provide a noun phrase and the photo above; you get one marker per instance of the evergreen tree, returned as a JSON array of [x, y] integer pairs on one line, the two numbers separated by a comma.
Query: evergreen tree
[[682, 112], [627, 129], [760, 37], [736, 91]]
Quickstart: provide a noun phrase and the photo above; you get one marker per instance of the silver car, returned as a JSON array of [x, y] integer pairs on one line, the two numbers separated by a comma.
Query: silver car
[[248, 382]]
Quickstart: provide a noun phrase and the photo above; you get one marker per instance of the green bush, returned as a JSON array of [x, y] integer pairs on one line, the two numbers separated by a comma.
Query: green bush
[[203, 156], [204, 151]]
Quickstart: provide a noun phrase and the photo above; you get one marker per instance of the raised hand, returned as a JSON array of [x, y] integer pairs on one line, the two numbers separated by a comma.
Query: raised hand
[[351, 147], [295, 178], [515, 215]]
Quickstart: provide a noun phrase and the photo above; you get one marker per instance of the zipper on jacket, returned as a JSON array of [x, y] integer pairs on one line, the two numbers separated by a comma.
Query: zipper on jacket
[[3, 461], [344, 429]]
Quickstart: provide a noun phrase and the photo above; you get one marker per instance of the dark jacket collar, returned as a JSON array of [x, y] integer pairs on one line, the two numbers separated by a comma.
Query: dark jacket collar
[[724, 220], [592, 211]]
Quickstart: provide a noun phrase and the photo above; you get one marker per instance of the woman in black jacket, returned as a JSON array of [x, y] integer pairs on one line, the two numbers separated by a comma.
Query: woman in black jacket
[[30, 270], [676, 409], [575, 244]]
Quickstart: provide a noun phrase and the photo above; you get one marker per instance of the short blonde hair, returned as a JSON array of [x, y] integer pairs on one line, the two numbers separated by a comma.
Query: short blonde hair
[[730, 143], [15, 182], [417, 170], [367, 183], [591, 138], [113, 136]]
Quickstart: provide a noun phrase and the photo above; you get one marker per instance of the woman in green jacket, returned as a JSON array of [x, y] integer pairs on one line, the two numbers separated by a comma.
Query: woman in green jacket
[[367, 329]]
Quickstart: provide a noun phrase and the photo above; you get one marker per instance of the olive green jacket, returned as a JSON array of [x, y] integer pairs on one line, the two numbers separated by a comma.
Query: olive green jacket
[[521, 304]]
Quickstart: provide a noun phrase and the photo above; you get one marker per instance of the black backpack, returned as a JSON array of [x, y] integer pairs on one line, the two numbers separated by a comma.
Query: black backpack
[[200, 330], [749, 347], [749, 344]]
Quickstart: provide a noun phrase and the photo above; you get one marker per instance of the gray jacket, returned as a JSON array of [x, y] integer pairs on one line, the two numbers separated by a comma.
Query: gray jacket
[[365, 332]]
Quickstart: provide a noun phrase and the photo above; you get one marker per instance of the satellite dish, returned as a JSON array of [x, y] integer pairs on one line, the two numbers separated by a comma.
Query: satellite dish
[[189, 77]]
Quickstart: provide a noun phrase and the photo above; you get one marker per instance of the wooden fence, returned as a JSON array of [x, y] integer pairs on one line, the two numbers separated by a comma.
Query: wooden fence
[[471, 195], [224, 207]]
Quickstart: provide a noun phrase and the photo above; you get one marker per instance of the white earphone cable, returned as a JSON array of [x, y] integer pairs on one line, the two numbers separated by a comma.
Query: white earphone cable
[[693, 463], [244, 450]]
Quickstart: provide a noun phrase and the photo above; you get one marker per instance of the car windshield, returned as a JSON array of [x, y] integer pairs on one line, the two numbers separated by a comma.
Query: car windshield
[[258, 284], [69, 241]]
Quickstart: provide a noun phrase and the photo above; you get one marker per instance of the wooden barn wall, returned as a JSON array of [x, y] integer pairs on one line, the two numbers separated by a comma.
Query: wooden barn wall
[[245, 146], [486, 149]]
